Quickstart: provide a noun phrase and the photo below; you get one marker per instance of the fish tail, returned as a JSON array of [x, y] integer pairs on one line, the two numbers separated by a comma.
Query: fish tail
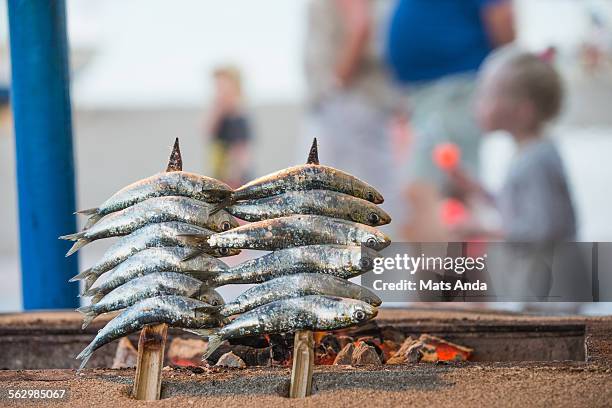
[[73, 237], [88, 211], [81, 242], [81, 275], [214, 341], [88, 315], [92, 220], [89, 281], [226, 202], [96, 294], [85, 355], [97, 297]]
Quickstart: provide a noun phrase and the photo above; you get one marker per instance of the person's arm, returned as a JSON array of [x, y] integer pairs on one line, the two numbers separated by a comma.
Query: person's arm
[[498, 20], [355, 15]]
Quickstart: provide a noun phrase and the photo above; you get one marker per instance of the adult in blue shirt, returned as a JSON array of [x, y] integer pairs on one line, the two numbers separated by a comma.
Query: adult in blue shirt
[[434, 48]]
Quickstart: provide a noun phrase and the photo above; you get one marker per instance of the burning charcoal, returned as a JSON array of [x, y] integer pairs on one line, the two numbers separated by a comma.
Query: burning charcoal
[[365, 354], [281, 349], [251, 341], [331, 341], [250, 355], [344, 340], [438, 349], [400, 356], [372, 342], [186, 352], [417, 352], [324, 357], [126, 354], [345, 357], [230, 360], [388, 348], [195, 370]]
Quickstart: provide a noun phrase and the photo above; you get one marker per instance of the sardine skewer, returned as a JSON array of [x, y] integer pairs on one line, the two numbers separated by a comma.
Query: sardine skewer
[[313, 202], [316, 313], [153, 210], [298, 285], [176, 311], [148, 286], [164, 234], [173, 183]]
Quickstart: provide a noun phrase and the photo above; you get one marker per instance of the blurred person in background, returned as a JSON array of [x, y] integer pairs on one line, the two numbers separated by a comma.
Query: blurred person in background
[[229, 130], [350, 101], [434, 49], [520, 93]]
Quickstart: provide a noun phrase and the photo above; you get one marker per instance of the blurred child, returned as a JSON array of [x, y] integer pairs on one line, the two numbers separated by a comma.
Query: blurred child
[[229, 129], [521, 93]]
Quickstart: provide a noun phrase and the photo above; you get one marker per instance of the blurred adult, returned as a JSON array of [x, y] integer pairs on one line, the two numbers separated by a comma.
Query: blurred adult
[[435, 48], [228, 129], [350, 100]]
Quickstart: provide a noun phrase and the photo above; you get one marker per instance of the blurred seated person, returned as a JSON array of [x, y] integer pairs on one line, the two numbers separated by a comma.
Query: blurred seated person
[[229, 130]]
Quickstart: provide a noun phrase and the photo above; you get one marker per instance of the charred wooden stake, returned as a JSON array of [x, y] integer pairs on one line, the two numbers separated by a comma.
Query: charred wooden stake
[[303, 345], [151, 345], [303, 364], [152, 342]]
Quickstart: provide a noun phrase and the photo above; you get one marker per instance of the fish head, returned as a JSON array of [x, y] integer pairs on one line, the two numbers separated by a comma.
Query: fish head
[[375, 239], [369, 214], [367, 192], [361, 311], [222, 221], [365, 258], [223, 252], [367, 296], [210, 296]]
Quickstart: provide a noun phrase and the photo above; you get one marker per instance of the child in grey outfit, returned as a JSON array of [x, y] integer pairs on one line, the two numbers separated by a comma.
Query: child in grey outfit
[[520, 93]]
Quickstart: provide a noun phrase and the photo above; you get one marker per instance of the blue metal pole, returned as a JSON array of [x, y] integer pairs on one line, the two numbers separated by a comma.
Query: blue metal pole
[[40, 100]]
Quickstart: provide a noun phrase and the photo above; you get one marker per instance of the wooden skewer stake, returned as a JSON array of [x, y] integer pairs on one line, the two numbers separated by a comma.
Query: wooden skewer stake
[[303, 345], [303, 365], [152, 342], [151, 345]]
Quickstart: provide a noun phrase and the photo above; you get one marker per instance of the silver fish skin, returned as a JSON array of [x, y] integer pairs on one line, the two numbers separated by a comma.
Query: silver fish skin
[[175, 183], [315, 202], [176, 311], [166, 234], [292, 286], [316, 313], [342, 261], [307, 177], [143, 287], [153, 210], [299, 230], [152, 260]]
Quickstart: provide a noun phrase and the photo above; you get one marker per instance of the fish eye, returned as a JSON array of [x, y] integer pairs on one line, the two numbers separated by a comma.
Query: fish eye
[[372, 241], [373, 218], [365, 263], [224, 251], [359, 315], [370, 196], [225, 225], [213, 302]]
